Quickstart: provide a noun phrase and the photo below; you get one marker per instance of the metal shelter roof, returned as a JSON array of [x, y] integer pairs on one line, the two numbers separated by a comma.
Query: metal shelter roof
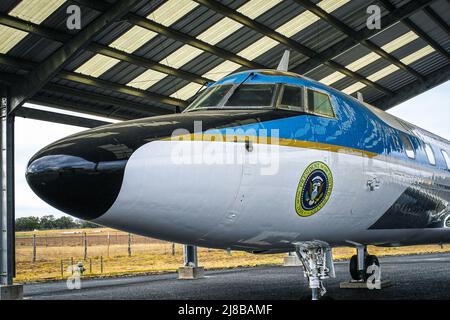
[[137, 58]]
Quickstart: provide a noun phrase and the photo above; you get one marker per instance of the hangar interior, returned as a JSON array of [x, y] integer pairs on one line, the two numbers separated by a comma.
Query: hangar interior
[[139, 58]]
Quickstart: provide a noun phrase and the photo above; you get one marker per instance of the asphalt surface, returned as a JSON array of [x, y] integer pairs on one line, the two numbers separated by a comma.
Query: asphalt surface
[[412, 277]]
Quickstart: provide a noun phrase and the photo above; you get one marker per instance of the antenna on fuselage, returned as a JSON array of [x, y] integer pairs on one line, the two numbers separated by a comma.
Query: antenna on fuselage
[[284, 62], [360, 96]]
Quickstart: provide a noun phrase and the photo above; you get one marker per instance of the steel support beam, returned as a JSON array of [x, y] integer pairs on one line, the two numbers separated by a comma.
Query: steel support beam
[[415, 88], [119, 104], [91, 81], [174, 34], [87, 80], [7, 206], [386, 21], [39, 76], [192, 41], [55, 117], [349, 32], [94, 47], [412, 26], [288, 42]]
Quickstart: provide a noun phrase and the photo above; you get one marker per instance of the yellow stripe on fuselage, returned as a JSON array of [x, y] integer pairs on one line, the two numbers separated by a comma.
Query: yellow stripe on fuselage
[[274, 141]]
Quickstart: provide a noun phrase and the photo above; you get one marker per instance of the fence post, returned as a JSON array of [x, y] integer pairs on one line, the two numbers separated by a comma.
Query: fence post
[[173, 248], [85, 246], [34, 247], [101, 264], [71, 264], [109, 242], [90, 265], [62, 269], [129, 245]]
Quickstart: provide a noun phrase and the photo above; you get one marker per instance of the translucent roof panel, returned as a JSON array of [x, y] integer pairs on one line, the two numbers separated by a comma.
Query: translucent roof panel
[[35, 11], [9, 37], [171, 11], [97, 65], [133, 39]]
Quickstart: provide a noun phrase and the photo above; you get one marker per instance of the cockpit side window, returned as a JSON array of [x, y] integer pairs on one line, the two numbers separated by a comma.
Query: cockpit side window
[[211, 97], [320, 103], [408, 146], [292, 98], [252, 95]]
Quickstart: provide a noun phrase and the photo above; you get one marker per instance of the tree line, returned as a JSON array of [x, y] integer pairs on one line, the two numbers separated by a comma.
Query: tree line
[[50, 222]]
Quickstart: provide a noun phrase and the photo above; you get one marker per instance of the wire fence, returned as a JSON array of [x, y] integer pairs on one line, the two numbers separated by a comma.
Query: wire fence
[[42, 245]]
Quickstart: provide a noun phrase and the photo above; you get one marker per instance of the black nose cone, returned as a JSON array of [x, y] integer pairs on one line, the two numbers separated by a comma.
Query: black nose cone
[[80, 175]]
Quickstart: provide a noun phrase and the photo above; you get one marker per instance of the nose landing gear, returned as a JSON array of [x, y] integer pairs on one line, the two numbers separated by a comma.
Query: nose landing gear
[[317, 260]]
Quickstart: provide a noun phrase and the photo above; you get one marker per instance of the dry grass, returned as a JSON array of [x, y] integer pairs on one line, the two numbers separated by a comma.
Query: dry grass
[[152, 256]]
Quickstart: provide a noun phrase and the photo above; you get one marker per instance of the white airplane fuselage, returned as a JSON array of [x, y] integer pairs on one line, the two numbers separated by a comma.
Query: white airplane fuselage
[[294, 175]]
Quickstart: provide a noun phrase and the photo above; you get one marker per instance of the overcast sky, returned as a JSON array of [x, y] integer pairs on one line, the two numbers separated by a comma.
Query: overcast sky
[[430, 111]]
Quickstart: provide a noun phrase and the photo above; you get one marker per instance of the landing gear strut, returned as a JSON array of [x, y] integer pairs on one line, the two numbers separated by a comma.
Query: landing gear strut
[[317, 260]]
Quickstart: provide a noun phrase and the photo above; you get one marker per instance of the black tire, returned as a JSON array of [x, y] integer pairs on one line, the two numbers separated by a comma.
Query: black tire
[[354, 273], [370, 260]]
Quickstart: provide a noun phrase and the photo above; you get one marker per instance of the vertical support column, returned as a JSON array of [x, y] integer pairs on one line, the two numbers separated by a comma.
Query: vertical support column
[[7, 242], [291, 260], [190, 270], [190, 256]]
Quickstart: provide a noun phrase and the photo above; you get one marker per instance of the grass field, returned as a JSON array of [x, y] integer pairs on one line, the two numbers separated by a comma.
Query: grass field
[[58, 248]]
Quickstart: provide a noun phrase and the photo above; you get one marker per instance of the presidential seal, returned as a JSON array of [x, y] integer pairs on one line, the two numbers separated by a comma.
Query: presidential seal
[[314, 189]]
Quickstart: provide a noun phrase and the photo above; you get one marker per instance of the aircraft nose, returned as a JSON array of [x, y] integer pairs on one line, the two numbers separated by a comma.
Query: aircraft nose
[[79, 176]]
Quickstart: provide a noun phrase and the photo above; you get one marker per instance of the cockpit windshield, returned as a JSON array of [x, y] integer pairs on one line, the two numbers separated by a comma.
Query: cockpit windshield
[[242, 96]]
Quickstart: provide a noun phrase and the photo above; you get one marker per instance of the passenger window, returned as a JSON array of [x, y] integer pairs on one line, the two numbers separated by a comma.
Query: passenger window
[[408, 146], [446, 158], [292, 98], [320, 103], [430, 154]]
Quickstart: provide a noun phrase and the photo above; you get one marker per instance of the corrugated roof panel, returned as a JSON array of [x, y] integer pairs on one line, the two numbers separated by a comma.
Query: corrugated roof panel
[[429, 65], [372, 57], [146, 79], [222, 70], [34, 48], [97, 65], [353, 88], [181, 56], [400, 41], [122, 73], [259, 47], [7, 5], [219, 31], [35, 11], [187, 91], [255, 8], [133, 39], [9, 37], [390, 69], [432, 29], [264, 44], [417, 55], [171, 11], [383, 73], [332, 78]]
